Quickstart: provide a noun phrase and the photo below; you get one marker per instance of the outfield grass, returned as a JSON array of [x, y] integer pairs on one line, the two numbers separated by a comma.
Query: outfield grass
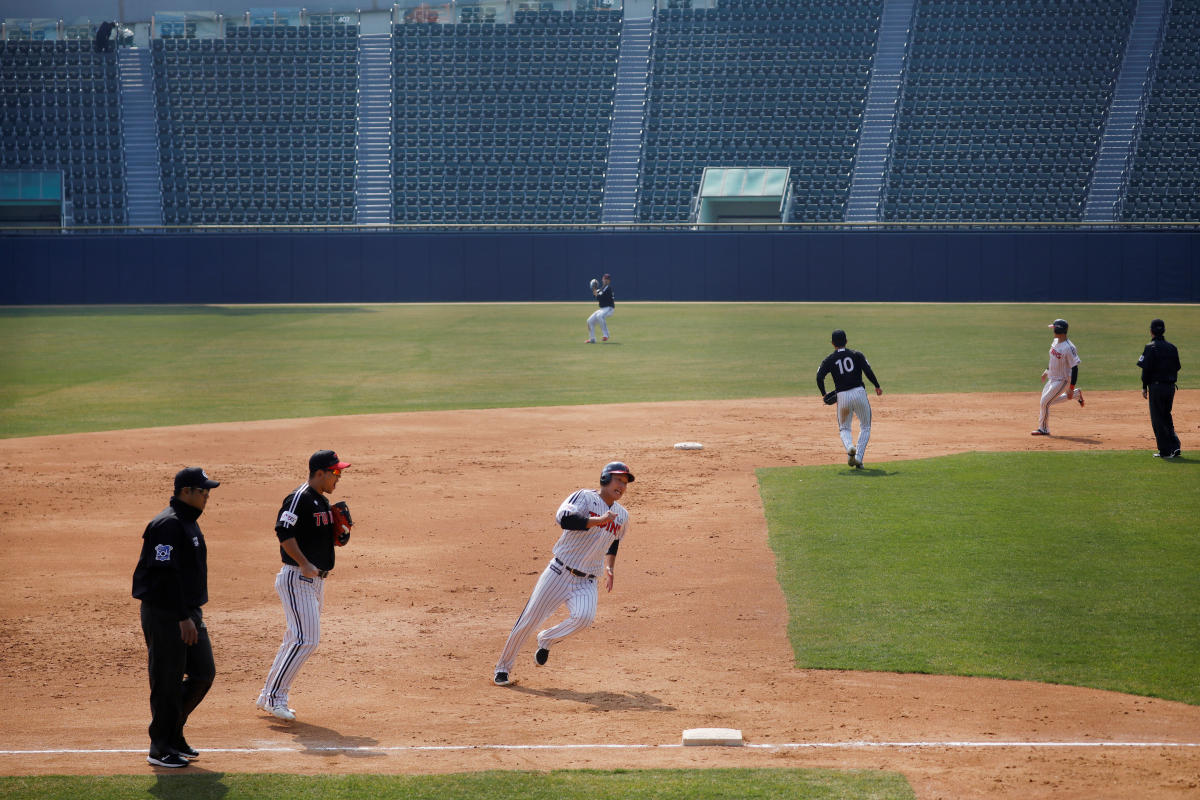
[[1075, 568], [714, 784], [67, 370]]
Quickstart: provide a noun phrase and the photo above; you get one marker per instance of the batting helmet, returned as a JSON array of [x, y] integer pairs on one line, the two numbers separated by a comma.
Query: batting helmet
[[1059, 325], [614, 468]]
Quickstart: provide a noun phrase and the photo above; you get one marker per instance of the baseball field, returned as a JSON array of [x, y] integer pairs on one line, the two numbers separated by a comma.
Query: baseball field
[[978, 613]]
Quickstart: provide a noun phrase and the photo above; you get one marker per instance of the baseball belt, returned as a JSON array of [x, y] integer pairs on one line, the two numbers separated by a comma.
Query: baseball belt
[[575, 572]]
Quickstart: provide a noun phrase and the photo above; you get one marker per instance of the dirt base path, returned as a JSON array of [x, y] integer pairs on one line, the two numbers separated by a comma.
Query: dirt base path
[[455, 521]]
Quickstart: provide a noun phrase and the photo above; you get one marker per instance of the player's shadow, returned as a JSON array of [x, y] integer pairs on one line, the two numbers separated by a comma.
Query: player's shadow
[[319, 741], [193, 783], [606, 701], [1079, 439], [868, 472]]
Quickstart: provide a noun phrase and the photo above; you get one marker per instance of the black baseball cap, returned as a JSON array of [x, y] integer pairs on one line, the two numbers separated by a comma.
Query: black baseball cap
[[325, 459], [1059, 325], [1158, 326], [194, 477]]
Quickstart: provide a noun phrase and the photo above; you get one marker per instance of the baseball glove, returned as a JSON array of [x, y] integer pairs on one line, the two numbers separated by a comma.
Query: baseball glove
[[830, 398], [342, 523], [595, 284]]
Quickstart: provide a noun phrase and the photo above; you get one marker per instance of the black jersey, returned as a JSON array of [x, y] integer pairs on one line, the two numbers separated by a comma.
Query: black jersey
[[847, 367], [305, 517], [172, 571], [1159, 362], [606, 297]]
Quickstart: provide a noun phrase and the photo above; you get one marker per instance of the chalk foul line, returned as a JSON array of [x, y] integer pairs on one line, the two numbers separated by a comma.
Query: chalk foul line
[[849, 745]]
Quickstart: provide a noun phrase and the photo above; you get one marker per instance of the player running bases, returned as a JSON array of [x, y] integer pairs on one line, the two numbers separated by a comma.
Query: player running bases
[[1063, 370], [593, 524], [847, 367]]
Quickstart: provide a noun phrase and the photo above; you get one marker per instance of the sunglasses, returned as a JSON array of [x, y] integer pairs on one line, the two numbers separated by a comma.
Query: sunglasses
[[335, 471]]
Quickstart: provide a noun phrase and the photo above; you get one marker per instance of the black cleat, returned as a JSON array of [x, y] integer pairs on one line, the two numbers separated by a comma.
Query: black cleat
[[186, 750], [169, 760], [501, 679], [541, 655]]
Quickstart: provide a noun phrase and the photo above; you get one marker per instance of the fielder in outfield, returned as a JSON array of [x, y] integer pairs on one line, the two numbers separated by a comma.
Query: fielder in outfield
[[593, 524], [847, 368]]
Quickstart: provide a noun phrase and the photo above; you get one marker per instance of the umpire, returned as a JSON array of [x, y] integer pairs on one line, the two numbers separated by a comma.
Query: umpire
[[1160, 370], [171, 580]]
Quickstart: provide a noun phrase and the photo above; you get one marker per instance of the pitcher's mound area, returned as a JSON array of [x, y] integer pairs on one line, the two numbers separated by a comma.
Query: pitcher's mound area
[[455, 520]]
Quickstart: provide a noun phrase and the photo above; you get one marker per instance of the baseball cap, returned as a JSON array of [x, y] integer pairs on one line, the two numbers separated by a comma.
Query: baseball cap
[[1059, 325], [1157, 326], [194, 477], [325, 459]]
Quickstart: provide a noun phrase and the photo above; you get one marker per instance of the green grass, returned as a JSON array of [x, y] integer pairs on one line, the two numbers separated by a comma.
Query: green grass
[[1074, 568], [66, 370], [714, 784]]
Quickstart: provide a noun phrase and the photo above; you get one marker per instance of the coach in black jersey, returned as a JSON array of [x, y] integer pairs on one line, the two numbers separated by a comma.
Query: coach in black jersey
[[171, 580], [305, 529], [847, 368]]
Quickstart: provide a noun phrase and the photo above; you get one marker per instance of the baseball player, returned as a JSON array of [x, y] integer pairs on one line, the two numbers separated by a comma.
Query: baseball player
[[307, 532], [604, 294], [171, 580], [1063, 372], [847, 368], [593, 524]]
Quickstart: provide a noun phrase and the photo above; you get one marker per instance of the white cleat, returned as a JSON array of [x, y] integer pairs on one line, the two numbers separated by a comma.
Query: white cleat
[[281, 711]]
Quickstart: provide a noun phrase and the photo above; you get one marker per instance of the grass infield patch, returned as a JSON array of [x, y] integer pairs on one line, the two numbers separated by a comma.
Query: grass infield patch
[[714, 784], [76, 369], [1075, 568]]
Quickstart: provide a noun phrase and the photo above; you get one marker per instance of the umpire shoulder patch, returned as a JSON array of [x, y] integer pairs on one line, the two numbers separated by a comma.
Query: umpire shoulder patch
[[288, 519], [162, 552]]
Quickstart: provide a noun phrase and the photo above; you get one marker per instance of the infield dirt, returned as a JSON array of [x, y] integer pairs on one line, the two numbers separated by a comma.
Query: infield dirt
[[455, 514]]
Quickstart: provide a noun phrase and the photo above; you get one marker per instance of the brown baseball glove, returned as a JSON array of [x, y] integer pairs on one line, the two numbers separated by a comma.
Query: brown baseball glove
[[342, 523], [830, 398]]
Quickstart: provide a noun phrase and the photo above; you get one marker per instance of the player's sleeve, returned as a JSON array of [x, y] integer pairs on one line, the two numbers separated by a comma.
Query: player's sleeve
[[822, 371], [866, 368], [287, 522], [572, 514], [1075, 360]]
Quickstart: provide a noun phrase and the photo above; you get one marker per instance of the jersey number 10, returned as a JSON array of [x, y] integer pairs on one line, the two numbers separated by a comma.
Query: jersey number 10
[[845, 365]]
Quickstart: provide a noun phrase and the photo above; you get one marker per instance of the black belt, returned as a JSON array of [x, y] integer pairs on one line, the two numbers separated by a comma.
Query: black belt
[[574, 572]]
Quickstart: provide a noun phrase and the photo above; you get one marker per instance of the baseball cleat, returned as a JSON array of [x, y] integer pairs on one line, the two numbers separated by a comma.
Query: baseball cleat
[[283, 712], [501, 679], [604, 338], [1039, 432], [186, 750], [590, 341], [541, 655], [168, 760], [1079, 397], [850, 457], [1176, 454], [857, 464]]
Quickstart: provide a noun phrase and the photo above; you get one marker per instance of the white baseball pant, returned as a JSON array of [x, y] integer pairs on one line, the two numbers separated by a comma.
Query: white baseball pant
[[555, 587], [853, 403], [600, 315], [1052, 393], [302, 600]]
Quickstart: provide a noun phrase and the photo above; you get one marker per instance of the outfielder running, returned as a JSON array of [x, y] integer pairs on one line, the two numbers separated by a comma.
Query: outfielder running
[[1062, 373], [847, 367], [593, 524], [604, 295], [308, 530]]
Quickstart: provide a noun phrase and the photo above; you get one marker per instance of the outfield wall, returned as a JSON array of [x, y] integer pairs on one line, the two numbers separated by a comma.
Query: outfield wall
[[1084, 266]]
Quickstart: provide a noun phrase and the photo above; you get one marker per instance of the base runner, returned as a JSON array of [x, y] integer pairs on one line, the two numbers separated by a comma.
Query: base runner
[[1062, 373], [593, 524]]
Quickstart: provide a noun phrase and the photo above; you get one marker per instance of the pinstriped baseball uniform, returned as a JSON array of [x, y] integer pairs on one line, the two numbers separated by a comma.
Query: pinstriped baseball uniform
[[305, 516], [1063, 356], [847, 368], [577, 551]]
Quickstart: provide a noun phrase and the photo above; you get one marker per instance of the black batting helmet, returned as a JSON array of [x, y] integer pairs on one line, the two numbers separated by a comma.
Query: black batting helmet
[[614, 468], [1059, 325]]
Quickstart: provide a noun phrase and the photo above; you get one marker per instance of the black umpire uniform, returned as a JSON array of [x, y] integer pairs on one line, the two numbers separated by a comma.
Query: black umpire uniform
[[171, 580], [1160, 370]]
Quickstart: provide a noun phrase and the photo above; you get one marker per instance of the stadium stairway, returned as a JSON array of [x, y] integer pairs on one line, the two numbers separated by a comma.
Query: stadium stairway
[[373, 187], [625, 140], [879, 115], [1129, 96], [143, 190]]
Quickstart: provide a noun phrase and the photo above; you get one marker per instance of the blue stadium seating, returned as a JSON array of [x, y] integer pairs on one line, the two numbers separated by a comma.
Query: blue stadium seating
[[757, 83], [1165, 181], [258, 127], [503, 123], [1003, 107], [61, 110]]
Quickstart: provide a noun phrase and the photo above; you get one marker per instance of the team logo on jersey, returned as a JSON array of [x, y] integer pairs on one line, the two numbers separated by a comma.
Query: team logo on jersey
[[162, 552], [288, 519]]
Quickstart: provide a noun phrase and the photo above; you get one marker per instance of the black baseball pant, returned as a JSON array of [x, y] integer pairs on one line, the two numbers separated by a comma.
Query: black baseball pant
[[1162, 399], [180, 674]]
